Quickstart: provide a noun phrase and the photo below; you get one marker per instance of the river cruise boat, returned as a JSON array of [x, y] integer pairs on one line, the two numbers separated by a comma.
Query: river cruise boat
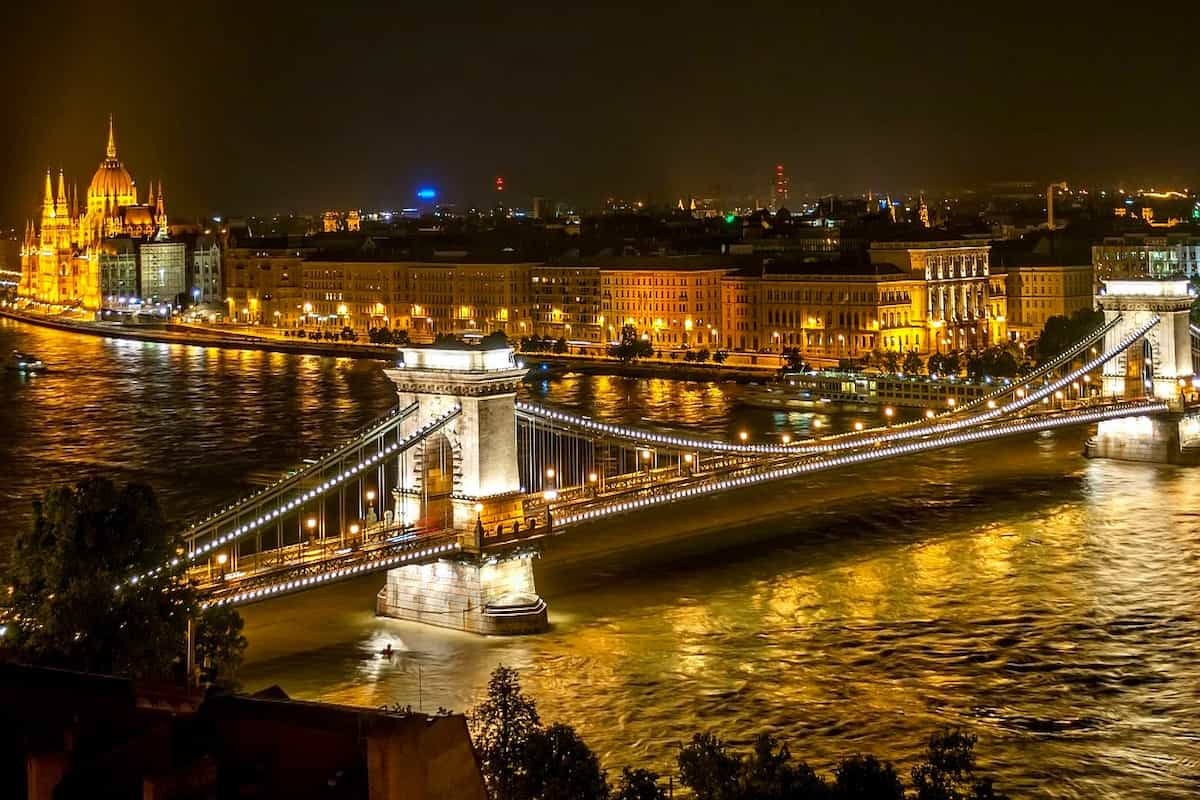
[[808, 390]]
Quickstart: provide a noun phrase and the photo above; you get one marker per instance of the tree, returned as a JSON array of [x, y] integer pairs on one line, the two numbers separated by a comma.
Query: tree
[[502, 727], [720, 356], [631, 346], [709, 769], [891, 361], [769, 774], [860, 777], [219, 643], [92, 588], [948, 770], [560, 345], [951, 364], [560, 766], [1060, 333], [494, 340], [702, 355], [912, 363], [934, 366], [639, 784], [793, 360]]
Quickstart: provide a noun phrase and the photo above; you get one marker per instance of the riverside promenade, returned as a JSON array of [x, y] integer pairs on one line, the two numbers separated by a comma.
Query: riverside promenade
[[738, 368]]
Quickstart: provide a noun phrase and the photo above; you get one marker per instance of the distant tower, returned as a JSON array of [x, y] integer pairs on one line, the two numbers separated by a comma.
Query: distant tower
[[499, 184], [891, 209], [923, 212], [537, 207], [353, 223], [331, 222], [780, 195]]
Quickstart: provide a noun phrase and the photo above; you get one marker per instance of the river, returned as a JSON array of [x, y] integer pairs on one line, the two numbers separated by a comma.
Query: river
[[1046, 602]]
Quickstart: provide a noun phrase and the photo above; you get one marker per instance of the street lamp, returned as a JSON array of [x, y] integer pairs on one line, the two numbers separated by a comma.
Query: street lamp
[[929, 413], [889, 412], [858, 426], [743, 436], [371, 505], [786, 438]]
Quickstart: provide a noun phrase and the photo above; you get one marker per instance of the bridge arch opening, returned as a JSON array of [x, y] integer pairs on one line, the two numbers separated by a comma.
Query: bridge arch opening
[[437, 482]]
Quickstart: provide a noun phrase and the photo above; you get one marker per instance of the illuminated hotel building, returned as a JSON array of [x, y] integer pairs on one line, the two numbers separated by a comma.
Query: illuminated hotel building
[[670, 300], [952, 294], [823, 309]]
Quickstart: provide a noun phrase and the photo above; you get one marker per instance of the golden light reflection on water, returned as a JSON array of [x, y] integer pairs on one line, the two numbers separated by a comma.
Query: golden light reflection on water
[[1048, 603]]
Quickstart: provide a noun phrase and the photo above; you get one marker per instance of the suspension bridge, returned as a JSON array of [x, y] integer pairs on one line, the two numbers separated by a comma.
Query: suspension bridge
[[451, 494]]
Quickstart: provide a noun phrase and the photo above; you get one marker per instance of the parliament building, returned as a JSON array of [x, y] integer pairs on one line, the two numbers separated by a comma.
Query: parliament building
[[63, 260]]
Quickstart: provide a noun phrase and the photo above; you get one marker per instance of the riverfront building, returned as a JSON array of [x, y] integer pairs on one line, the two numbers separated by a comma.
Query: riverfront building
[[901, 296], [1037, 292], [60, 256]]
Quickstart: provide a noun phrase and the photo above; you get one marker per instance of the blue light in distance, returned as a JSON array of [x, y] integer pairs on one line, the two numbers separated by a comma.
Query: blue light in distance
[[427, 193]]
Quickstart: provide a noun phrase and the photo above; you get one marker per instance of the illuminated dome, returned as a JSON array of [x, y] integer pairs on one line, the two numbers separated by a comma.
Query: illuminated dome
[[111, 179]]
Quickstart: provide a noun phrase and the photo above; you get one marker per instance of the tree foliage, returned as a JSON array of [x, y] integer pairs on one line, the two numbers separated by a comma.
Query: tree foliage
[[912, 363], [560, 766], [1060, 332], [948, 770], [993, 362], [860, 776], [502, 727], [639, 784], [92, 588], [631, 346], [495, 339], [521, 760], [794, 361]]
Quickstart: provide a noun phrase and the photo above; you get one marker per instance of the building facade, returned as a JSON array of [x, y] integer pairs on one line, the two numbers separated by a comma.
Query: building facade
[[118, 265], [164, 271], [205, 277], [1036, 293], [1155, 255], [953, 291], [60, 257], [565, 302], [672, 301], [264, 281]]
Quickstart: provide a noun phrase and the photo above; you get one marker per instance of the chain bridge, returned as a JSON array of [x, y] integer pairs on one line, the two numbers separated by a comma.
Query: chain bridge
[[450, 494]]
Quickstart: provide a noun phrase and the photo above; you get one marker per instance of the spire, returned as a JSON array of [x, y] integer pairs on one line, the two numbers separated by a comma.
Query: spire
[[61, 197], [111, 152], [48, 201], [150, 199]]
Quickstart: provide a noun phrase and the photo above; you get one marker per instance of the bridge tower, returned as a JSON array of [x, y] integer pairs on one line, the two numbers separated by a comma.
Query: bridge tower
[[1164, 356], [1160, 365], [474, 457], [462, 476]]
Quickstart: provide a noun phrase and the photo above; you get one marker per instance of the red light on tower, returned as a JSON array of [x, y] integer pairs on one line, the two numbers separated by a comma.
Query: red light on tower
[[499, 183]]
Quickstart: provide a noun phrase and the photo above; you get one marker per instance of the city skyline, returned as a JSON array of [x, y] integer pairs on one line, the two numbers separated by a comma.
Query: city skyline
[[304, 111]]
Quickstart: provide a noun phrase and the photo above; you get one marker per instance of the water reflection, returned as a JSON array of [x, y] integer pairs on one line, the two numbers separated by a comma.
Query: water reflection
[[1047, 602]]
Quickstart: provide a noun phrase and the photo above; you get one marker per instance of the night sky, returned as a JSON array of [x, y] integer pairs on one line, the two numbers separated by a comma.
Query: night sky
[[262, 107]]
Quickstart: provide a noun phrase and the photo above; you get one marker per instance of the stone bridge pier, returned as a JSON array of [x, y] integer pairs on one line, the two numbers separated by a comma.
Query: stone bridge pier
[[463, 472]]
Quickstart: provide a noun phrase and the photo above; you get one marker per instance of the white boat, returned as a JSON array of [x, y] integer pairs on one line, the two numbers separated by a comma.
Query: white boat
[[24, 362]]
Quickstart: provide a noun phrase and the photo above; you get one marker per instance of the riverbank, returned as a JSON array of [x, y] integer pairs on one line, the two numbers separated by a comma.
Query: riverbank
[[170, 333]]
